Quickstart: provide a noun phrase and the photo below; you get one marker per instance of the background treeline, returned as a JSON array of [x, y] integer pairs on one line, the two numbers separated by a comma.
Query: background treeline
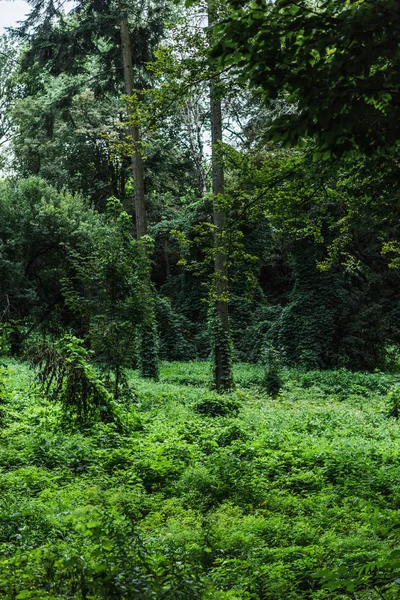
[[309, 240]]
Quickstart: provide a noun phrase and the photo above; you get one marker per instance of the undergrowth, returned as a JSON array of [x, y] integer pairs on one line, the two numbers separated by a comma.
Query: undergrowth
[[203, 496]]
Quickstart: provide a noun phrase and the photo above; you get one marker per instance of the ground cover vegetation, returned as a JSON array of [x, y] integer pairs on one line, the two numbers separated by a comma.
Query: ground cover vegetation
[[199, 300], [194, 494]]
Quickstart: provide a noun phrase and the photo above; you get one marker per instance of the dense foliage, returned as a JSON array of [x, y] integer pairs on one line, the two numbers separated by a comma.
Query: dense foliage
[[333, 63], [202, 495], [215, 181]]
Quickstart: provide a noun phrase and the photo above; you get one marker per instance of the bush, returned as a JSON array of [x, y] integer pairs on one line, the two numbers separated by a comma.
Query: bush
[[272, 381], [214, 406], [39, 229]]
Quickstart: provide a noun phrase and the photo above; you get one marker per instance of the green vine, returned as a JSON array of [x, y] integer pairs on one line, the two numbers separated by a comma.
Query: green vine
[[148, 350], [272, 381], [5, 331], [221, 353]]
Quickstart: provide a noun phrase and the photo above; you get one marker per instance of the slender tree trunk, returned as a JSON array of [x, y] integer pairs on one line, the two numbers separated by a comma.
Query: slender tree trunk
[[148, 347], [167, 263], [137, 163], [122, 189], [223, 379]]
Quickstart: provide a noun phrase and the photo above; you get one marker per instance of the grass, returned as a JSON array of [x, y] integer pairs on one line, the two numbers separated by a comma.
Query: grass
[[202, 496]]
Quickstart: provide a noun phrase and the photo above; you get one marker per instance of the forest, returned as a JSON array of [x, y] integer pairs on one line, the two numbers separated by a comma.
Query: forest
[[200, 300]]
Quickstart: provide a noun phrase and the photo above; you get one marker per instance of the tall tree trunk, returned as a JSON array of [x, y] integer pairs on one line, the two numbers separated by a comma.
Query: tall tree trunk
[[137, 163], [223, 379], [148, 344]]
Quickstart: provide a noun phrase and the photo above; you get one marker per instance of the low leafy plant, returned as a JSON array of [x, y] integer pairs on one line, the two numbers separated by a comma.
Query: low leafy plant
[[214, 406], [248, 504]]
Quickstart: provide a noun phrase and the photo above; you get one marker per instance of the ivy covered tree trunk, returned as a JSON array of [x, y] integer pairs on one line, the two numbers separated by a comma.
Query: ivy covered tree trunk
[[220, 334], [148, 350]]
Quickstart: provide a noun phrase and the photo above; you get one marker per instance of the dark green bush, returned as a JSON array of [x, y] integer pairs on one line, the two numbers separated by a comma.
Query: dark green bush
[[214, 406], [272, 381]]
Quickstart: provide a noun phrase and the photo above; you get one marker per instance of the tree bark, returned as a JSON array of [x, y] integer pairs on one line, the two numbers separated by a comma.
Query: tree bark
[[137, 162], [222, 369], [148, 352]]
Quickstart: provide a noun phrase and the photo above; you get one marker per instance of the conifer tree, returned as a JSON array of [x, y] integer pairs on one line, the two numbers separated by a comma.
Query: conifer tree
[[66, 43]]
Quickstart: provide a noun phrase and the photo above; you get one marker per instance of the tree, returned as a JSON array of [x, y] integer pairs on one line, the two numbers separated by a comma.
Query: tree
[[94, 44], [335, 65], [223, 379], [330, 219], [87, 37], [148, 355], [137, 163], [8, 93], [193, 76], [109, 291], [39, 229], [63, 137]]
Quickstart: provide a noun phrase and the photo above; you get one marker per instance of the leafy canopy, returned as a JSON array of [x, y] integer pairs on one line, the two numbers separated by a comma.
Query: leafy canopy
[[335, 64]]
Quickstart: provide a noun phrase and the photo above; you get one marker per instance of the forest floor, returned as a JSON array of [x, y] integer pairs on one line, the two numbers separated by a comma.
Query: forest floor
[[197, 495]]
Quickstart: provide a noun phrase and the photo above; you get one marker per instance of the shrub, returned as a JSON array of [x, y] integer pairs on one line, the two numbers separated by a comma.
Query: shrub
[[393, 399], [217, 406], [272, 381]]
